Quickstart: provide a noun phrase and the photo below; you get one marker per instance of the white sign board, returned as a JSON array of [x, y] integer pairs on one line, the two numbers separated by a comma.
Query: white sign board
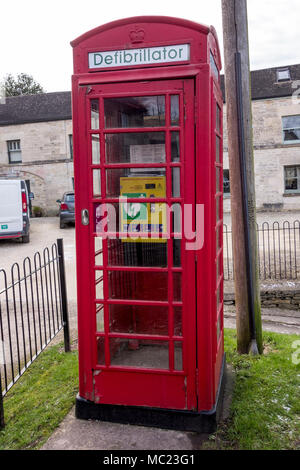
[[132, 57], [154, 153]]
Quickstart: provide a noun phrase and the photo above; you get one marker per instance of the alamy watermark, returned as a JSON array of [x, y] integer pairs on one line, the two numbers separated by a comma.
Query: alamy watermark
[[296, 354], [151, 221]]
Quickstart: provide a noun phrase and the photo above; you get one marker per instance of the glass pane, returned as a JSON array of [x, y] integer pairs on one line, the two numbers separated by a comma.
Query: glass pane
[[143, 111], [176, 215], [100, 318], [226, 182], [291, 172], [217, 209], [98, 251], [95, 149], [96, 183], [175, 110], [101, 351], [138, 285], [218, 238], [283, 75], [218, 171], [214, 66], [177, 295], [218, 141], [177, 321], [291, 183], [178, 355], [175, 147], [15, 156], [218, 119], [291, 122], [144, 354], [94, 114], [292, 134], [146, 147], [219, 327], [136, 182], [176, 252], [99, 285], [218, 298], [70, 198], [176, 182], [121, 253], [106, 218], [138, 319]]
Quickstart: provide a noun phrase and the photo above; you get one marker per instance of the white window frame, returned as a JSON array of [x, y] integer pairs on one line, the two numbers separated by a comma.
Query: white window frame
[[292, 191], [14, 147], [285, 79]]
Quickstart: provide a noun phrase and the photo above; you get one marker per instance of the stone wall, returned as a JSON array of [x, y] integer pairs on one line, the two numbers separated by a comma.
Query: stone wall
[[284, 299]]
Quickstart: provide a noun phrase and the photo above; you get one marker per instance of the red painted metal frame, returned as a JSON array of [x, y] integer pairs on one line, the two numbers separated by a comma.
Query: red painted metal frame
[[186, 126], [203, 355]]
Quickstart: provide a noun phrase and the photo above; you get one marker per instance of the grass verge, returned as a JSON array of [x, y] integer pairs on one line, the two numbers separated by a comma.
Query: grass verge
[[265, 409], [264, 413], [39, 401]]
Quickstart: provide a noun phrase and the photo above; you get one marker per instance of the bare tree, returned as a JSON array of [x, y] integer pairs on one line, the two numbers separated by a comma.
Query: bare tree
[[23, 84]]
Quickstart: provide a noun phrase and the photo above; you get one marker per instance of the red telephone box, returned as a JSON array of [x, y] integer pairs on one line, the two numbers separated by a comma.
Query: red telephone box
[[147, 118]]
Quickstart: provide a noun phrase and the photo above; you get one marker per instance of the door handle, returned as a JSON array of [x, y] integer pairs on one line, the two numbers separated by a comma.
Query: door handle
[[85, 218]]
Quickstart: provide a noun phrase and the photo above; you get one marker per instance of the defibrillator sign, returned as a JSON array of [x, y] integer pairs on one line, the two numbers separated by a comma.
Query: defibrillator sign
[[140, 217], [134, 57]]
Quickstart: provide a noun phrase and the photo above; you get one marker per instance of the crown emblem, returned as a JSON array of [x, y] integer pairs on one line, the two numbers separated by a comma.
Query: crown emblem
[[137, 35]]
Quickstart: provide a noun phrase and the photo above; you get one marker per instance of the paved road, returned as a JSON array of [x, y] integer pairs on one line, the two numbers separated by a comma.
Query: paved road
[[43, 233]]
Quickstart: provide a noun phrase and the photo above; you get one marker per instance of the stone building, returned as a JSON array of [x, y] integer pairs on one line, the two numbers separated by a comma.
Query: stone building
[[36, 142], [36, 145], [276, 139]]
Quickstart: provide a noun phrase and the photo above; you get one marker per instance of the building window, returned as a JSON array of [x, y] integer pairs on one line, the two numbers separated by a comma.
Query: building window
[[291, 129], [226, 182], [14, 151], [283, 75], [71, 145], [292, 179]]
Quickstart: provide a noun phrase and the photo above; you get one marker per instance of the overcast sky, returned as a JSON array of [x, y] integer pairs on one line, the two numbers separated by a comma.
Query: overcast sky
[[35, 34]]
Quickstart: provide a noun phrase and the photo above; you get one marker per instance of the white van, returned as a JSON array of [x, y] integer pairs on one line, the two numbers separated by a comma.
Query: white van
[[14, 210]]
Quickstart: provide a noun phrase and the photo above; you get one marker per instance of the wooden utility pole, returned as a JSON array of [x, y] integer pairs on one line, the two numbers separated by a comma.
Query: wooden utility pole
[[242, 179]]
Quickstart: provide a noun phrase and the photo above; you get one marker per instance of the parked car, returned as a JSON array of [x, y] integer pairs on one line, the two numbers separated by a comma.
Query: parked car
[[14, 209], [66, 209]]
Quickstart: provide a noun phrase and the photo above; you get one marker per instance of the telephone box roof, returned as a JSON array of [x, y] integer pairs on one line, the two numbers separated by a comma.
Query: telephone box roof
[[144, 19], [121, 32]]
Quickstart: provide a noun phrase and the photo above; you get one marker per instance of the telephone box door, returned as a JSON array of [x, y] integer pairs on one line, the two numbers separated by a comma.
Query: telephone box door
[[136, 295]]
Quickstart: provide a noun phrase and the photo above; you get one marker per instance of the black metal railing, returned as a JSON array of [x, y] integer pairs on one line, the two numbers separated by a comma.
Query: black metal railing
[[33, 310], [278, 248]]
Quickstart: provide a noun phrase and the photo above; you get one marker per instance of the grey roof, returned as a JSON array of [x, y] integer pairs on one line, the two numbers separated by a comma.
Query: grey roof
[[57, 106], [36, 108], [264, 83]]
